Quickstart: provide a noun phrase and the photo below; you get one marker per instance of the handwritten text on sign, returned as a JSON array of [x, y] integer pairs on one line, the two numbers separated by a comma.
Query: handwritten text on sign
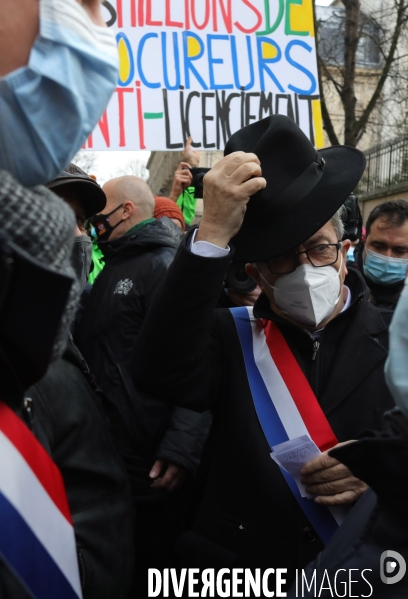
[[206, 68]]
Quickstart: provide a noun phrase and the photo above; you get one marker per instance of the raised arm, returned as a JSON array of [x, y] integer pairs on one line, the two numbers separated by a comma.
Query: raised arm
[[177, 356]]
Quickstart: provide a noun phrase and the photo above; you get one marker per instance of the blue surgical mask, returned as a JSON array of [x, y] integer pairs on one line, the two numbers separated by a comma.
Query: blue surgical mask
[[396, 367], [350, 254], [49, 107], [383, 269]]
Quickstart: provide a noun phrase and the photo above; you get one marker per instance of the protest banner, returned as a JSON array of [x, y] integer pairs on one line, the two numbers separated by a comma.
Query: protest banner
[[206, 68]]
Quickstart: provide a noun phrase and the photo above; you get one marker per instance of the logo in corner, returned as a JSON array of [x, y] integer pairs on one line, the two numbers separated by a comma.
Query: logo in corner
[[392, 567], [123, 287]]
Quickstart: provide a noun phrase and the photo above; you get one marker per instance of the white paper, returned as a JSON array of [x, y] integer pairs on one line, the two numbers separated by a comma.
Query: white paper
[[292, 455]]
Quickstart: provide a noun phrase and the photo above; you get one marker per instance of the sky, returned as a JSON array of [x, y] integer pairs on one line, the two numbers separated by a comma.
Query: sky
[[109, 164]]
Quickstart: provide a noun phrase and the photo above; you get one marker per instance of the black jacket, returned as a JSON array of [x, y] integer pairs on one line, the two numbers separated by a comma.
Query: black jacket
[[248, 515], [78, 438], [378, 523], [10, 587], [144, 428]]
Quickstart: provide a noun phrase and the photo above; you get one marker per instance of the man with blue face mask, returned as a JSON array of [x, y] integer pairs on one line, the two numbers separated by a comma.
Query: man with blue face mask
[[383, 258], [306, 363], [58, 70]]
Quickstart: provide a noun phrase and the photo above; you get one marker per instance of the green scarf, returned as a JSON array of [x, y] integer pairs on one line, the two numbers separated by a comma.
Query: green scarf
[[140, 225]]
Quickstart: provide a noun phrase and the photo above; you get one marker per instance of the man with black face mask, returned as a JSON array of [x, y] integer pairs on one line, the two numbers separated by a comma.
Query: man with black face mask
[[160, 445], [86, 198], [281, 372]]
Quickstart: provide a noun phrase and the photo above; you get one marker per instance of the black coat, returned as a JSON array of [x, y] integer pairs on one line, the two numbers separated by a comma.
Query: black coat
[[378, 523], [145, 428], [76, 434], [248, 514], [10, 586]]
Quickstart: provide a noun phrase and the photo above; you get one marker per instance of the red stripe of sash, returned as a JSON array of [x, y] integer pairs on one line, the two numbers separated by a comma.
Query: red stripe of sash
[[299, 388], [36, 457]]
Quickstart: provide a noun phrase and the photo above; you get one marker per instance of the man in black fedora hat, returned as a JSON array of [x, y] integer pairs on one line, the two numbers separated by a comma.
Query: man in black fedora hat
[[306, 364]]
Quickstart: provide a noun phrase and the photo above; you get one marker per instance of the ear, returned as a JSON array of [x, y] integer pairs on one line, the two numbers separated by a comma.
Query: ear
[[128, 209], [346, 244], [253, 272]]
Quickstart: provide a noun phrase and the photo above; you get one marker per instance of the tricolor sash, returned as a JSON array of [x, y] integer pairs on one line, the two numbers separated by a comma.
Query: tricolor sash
[[284, 402], [37, 539]]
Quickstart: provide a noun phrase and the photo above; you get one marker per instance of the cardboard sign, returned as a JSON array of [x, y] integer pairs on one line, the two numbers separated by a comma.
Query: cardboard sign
[[206, 68]]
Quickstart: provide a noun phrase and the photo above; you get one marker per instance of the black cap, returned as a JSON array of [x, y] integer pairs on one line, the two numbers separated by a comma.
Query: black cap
[[90, 193]]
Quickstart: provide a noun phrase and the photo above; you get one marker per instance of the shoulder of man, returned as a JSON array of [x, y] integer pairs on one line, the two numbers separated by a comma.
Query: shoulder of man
[[372, 321], [158, 233]]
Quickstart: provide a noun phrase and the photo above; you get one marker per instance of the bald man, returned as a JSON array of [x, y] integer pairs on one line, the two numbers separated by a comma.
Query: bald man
[[129, 204], [161, 446]]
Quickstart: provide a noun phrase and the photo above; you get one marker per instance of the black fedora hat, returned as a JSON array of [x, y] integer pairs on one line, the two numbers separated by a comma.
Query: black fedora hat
[[304, 188], [90, 193]]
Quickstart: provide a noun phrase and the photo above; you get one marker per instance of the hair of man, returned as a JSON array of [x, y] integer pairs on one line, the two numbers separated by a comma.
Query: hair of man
[[394, 214], [338, 224]]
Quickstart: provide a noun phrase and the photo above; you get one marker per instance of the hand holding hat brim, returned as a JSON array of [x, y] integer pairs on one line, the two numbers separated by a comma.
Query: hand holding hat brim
[[228, 187], [305, 187]]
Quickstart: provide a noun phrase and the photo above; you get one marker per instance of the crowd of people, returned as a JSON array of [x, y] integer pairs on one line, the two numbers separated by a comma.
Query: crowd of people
[[146, 386]]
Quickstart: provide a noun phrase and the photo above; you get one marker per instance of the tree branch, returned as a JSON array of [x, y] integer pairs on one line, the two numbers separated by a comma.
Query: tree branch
[[327, 122], [360, 124], [351, 39]]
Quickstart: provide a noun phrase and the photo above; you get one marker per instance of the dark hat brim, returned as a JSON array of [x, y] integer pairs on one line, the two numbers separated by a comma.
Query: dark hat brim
[[266, 232], [90, 194]]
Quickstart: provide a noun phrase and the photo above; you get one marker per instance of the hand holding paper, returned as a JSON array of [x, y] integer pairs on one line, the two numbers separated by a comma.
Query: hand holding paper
[[293, 455], [331, 481]]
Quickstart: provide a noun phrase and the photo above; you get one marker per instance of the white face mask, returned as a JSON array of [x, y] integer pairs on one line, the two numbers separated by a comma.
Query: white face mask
[[308, 295]]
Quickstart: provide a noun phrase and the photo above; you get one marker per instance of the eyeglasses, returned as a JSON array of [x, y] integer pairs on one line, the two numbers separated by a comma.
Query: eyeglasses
[[324, 254]]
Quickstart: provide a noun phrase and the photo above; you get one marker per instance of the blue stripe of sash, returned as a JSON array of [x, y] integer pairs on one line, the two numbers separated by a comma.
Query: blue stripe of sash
[[274, 431], [27, 557]]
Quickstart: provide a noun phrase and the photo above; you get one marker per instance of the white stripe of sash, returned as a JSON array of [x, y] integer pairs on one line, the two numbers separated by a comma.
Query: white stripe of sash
[[276, 386], [38, 510]]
